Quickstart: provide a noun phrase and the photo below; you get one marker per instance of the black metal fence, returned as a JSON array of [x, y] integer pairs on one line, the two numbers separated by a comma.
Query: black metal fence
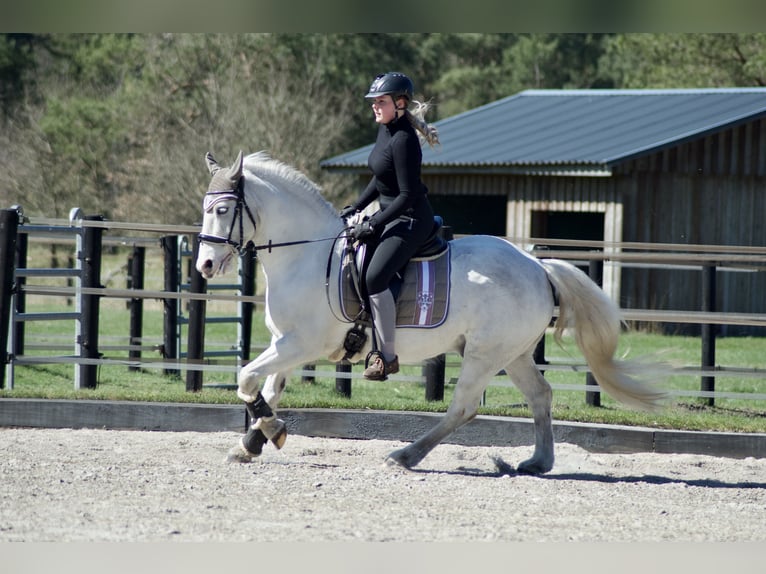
[[177, 242]]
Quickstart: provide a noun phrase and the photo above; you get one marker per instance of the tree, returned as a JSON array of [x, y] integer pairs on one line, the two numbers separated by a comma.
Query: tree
[[480, 68], [17, 61], [685, 60], [225, 93], [67, 134], [118, 124]]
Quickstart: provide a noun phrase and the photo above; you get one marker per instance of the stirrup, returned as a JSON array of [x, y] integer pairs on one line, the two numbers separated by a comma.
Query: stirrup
[[380, 368]]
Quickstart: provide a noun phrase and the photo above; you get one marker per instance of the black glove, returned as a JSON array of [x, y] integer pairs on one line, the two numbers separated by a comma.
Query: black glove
[[363, 231], [348, 211]]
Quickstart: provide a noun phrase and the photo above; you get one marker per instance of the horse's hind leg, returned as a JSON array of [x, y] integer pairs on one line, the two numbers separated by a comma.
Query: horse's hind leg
[[537, 391], [474, 378]]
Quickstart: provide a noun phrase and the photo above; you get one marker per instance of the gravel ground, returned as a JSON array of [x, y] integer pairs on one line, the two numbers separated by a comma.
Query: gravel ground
[[99, 485]]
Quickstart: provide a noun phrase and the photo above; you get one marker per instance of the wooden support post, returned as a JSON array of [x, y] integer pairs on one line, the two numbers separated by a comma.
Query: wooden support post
[[9, 225], [169, 245], [90, 261], [596, 272], [248, 272], [708, 330], [309, 379], [539, 354], [136, 281], [434, 368], [22, 248], [433, 371], [343, 384], [195, 348]]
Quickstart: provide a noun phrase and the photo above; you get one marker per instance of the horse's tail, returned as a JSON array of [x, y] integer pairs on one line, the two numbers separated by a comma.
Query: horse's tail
[[597, 323]]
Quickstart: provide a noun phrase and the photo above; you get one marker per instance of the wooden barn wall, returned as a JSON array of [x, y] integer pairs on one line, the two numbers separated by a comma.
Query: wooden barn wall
[[528, 194], [709, 191], [466, 184]]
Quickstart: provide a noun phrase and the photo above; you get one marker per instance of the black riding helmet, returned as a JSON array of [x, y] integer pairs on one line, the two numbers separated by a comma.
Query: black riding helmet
[[394, 84]]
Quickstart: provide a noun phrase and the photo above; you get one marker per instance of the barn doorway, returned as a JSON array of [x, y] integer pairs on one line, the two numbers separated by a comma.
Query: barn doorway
[[579, 225], [568, 225], [471, 214]]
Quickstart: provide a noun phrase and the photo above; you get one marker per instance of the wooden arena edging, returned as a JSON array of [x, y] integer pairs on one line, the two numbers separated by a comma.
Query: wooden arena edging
[[384, 425]]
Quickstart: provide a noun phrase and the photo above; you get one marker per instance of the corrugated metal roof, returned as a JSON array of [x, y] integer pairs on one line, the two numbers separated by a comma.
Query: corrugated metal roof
[[576, 130]]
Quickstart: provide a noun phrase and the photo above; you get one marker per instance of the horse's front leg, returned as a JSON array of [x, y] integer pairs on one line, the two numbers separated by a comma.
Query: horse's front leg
[[264, 424]]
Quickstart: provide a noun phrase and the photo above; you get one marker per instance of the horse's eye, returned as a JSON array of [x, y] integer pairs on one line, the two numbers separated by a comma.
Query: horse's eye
[[223, 210]]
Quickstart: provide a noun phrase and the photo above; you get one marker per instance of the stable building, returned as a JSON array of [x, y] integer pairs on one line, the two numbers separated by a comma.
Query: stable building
[[683, 166]]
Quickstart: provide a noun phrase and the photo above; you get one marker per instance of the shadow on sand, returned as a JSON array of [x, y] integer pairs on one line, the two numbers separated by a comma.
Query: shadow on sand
[[502, 469]]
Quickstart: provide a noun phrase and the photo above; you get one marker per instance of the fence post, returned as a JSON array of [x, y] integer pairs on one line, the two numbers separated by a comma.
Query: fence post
[[248, 271], [343, 384], [195, 347], [22, 249], [434, 368], [136, 281], [539, 355], [309, 379], [9, 226], [90, 261], [433, 371], [169, 245], [596, 272], [708, 330]]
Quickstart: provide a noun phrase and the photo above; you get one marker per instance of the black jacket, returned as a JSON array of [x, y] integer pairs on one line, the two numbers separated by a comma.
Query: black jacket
[[395, 161]]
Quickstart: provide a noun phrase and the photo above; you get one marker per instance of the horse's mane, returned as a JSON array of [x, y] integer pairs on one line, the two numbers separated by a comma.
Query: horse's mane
[[262, 165]]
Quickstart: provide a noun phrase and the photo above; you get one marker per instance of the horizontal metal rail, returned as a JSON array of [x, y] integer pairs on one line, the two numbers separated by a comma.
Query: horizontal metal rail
[[63, 316], [139, 294], [48, 272], [208, 353], [211, 320]]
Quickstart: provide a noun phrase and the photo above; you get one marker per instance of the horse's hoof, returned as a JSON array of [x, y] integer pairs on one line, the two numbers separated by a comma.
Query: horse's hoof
[[273, 429], [237, 454], [279, 439], [534, 467], [397, 459]]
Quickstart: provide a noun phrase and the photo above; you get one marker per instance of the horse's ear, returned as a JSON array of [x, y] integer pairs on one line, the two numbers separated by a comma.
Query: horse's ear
[[235, 171], [212, 165]]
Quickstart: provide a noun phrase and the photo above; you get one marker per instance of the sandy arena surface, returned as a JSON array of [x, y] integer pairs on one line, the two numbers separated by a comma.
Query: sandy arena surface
[[99, 485]]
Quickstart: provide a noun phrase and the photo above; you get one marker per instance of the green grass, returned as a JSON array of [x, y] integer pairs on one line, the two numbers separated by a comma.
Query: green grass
[[119, 383]]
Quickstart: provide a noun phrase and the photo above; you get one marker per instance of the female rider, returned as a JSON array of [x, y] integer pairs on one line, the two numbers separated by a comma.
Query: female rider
[[405, 218]]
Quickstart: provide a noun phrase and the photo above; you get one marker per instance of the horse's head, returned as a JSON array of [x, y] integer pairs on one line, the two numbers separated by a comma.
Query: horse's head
[[226, 221]]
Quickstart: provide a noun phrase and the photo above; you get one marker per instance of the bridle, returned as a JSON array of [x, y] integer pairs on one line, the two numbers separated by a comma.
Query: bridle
[[213, 197], [241, 207]]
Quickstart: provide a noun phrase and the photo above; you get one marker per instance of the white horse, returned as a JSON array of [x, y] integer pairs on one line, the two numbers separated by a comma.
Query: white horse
[[501, 302]]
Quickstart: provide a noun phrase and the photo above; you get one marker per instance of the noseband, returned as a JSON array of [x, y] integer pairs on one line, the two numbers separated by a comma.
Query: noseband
[[211, 198]]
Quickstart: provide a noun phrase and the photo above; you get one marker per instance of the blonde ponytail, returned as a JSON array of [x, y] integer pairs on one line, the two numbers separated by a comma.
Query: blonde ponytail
[[427, 132]]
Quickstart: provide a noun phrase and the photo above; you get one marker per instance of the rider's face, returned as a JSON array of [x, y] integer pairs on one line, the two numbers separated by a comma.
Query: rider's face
[[384, 109]]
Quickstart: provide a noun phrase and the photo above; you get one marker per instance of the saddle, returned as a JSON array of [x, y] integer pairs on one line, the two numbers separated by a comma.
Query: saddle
[[421, 289]]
